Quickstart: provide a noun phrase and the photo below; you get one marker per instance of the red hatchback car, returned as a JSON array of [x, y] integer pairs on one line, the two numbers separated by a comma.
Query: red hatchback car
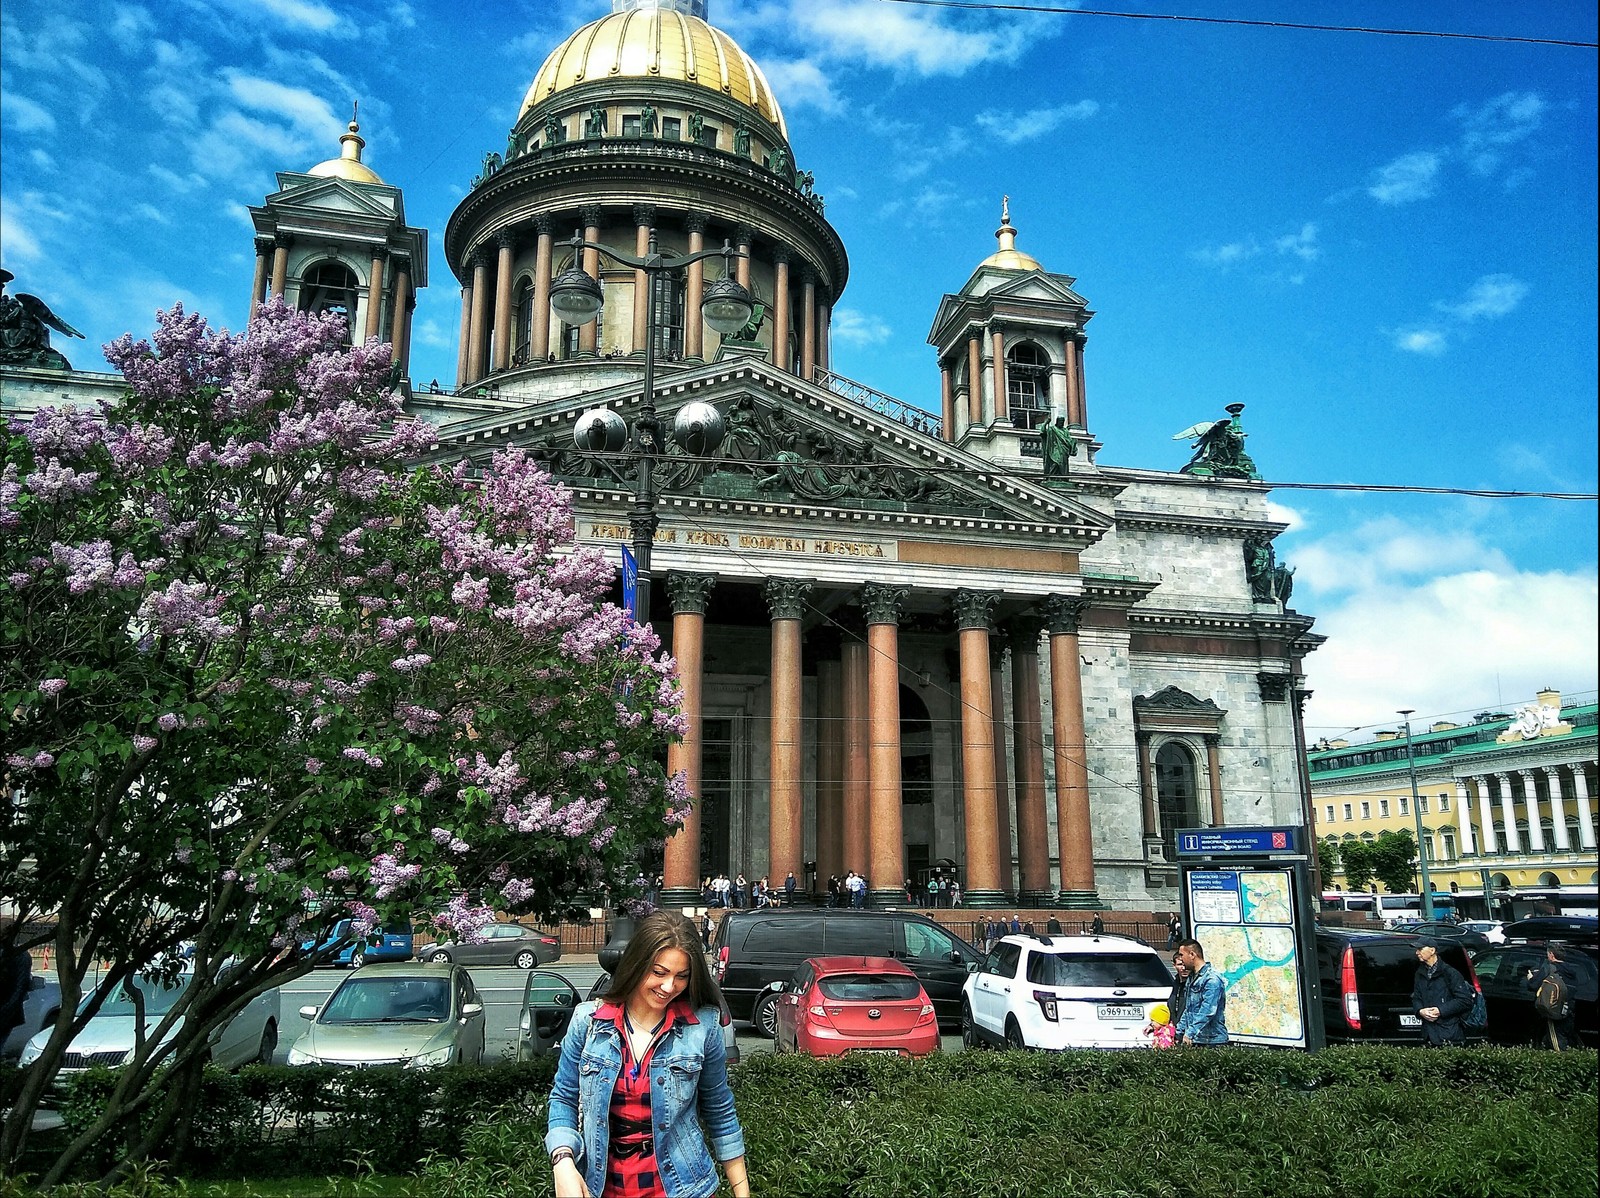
[[835, 1005]]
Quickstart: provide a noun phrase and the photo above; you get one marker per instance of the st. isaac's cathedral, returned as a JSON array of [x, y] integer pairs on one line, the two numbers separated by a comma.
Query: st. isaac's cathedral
[[909, 640]]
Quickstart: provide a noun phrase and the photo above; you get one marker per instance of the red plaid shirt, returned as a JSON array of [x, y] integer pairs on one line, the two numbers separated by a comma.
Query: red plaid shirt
[[631, 1170]]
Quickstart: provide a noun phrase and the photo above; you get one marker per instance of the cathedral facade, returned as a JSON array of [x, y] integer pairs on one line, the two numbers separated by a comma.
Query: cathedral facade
[[912, 637]]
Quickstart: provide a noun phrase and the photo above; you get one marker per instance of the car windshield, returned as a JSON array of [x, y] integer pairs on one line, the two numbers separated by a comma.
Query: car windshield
[[869, 987], [389, 1000], [1098, 969], [158, 999]]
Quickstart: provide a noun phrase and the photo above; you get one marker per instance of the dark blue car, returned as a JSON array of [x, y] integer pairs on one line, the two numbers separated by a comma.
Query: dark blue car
[[393, 944]]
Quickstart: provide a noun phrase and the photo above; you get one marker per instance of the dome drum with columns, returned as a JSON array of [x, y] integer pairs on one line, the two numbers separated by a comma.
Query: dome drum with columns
[[646, 123]]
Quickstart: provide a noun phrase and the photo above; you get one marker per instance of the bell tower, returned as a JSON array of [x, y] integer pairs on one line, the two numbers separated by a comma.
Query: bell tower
[[335, 238], [1010, 347]]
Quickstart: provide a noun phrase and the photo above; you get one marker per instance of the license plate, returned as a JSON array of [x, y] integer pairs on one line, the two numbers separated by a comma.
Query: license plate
[[1410, 1021], [1119, 1011]]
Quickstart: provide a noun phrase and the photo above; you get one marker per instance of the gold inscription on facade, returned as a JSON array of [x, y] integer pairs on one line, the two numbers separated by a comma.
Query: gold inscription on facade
[[758, 542], [621, 532]]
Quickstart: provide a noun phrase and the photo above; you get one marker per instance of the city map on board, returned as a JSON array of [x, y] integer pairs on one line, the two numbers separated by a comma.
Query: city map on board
[[1245, 921]]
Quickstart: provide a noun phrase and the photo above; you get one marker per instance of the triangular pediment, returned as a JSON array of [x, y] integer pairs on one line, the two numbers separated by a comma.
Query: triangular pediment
[[787, 443], [1037, 285], [322, 195]]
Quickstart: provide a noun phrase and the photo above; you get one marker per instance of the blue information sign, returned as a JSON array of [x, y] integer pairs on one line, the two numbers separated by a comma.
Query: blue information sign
[[630, 582], [1237, 842]]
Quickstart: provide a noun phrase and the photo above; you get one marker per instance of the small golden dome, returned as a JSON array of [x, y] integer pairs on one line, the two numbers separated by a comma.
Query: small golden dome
[[1008, 256], [348, 165], [656, 43]]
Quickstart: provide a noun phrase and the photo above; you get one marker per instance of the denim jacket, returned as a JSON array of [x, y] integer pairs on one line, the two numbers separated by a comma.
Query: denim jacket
[[1205, 1008], [690, 1102]]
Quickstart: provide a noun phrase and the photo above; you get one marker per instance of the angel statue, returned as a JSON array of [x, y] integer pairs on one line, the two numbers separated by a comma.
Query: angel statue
[[1218, 447], [24, 339]]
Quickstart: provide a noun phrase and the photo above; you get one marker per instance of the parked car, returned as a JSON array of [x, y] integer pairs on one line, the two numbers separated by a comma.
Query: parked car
[[393, 943], [1038, 991], [1509, 975], [250, 1037], [1491, 930], [1366, 980], [1573, 929], [40, 1006], [835, 1005], [755, 953], [1444, 929], [502, 944], [415, 1014]]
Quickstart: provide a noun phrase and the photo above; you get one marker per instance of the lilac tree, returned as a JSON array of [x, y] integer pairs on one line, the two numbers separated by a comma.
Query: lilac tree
[[257, 674]]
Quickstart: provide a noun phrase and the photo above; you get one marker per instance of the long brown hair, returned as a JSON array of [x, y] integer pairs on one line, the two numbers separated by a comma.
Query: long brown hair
[[658, 931]]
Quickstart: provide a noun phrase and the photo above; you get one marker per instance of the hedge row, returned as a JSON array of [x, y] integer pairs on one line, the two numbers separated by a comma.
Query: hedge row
[[1348, 1121]]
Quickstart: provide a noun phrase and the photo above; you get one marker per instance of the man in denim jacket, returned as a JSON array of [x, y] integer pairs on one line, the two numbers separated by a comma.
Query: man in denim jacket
[[689, 1091], [1205, 1005]]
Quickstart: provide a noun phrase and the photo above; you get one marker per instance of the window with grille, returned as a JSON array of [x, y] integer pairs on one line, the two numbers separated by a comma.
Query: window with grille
[[1027, 385]]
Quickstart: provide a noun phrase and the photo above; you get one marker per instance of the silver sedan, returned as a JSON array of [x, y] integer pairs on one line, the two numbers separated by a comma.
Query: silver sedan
[[500, 944]]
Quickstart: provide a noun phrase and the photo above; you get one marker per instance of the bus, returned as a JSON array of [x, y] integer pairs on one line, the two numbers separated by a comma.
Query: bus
[[1520, 902], [1387, 908]]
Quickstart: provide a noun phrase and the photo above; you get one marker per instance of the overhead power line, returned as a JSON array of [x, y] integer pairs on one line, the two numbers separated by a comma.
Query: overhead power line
[[1151, 16]]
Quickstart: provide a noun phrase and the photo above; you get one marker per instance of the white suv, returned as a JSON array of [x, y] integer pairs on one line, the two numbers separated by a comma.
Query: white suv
[[1063, 992]]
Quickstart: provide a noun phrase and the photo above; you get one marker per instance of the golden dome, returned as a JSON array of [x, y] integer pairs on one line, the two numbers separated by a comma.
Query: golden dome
[[656, 43], [348, 165], [1008, 256]]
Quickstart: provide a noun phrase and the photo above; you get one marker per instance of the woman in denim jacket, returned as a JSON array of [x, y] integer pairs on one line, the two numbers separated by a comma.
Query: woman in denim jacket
[[641, 1101]]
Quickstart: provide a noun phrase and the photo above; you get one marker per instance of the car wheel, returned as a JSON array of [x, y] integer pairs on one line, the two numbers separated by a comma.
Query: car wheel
[[269, 1044], [358, 958], [527, 959], [1014, 1034], [765, 1016], [969, 1028], [439, 957]]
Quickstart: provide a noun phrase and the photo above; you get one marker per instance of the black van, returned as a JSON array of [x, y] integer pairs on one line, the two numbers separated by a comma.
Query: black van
[[1366, 980], [754, 950]]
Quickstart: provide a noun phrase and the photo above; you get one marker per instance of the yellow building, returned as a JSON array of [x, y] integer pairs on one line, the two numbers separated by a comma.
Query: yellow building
[[1509, 794]]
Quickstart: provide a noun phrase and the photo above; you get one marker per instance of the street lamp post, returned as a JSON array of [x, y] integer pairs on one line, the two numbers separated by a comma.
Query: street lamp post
[[1416, 811], [576, 298]]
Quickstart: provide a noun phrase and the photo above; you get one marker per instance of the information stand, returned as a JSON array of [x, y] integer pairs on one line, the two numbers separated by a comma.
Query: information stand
[[1246, 895]]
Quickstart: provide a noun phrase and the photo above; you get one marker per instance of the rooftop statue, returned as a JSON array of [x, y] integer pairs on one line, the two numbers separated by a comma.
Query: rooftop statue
[[1219, 447], [1269, 581], [24, 337], [1057, 445]]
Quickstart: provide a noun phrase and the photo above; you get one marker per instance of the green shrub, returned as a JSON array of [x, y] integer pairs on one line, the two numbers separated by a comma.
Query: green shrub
[[1345, 1123]]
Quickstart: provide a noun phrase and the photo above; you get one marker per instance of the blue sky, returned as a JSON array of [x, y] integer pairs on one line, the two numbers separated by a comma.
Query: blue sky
[[1384, 246]]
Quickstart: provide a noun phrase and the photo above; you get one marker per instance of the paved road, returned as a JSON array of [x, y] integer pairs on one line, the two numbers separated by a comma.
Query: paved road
[[501, 988]]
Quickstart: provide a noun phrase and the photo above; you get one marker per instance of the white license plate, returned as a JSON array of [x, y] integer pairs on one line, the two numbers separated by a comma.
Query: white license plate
[[1119, 1011], [1410, 1021]]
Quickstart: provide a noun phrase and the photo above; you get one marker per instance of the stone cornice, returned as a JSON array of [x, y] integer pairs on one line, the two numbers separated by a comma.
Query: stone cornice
[[1206, 525]]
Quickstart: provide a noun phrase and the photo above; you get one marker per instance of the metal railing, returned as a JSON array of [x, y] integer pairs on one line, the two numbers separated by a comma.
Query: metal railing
[[884, 405]]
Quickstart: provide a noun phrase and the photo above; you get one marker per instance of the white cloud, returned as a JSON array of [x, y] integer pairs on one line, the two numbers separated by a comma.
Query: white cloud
[[858, 328], [304, 14], [1409, 178], [930, 204], [235, 144], [25, 115], [903, 39], [432, 334], [802, 84], [151, 213], [1297, 520], [1230, 254], [1013, 128], [1302, 244], [182, 184], [1489, 298], [1430, 342], [130, 26], [1490, 128], [308, 112], [27, 221], [1438, 621], [240, 214]]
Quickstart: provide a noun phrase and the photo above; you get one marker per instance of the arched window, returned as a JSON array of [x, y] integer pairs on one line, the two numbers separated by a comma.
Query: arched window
[[1176, 802], [1549, 879], [522, 329], [1027, 385], [330, 287]]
